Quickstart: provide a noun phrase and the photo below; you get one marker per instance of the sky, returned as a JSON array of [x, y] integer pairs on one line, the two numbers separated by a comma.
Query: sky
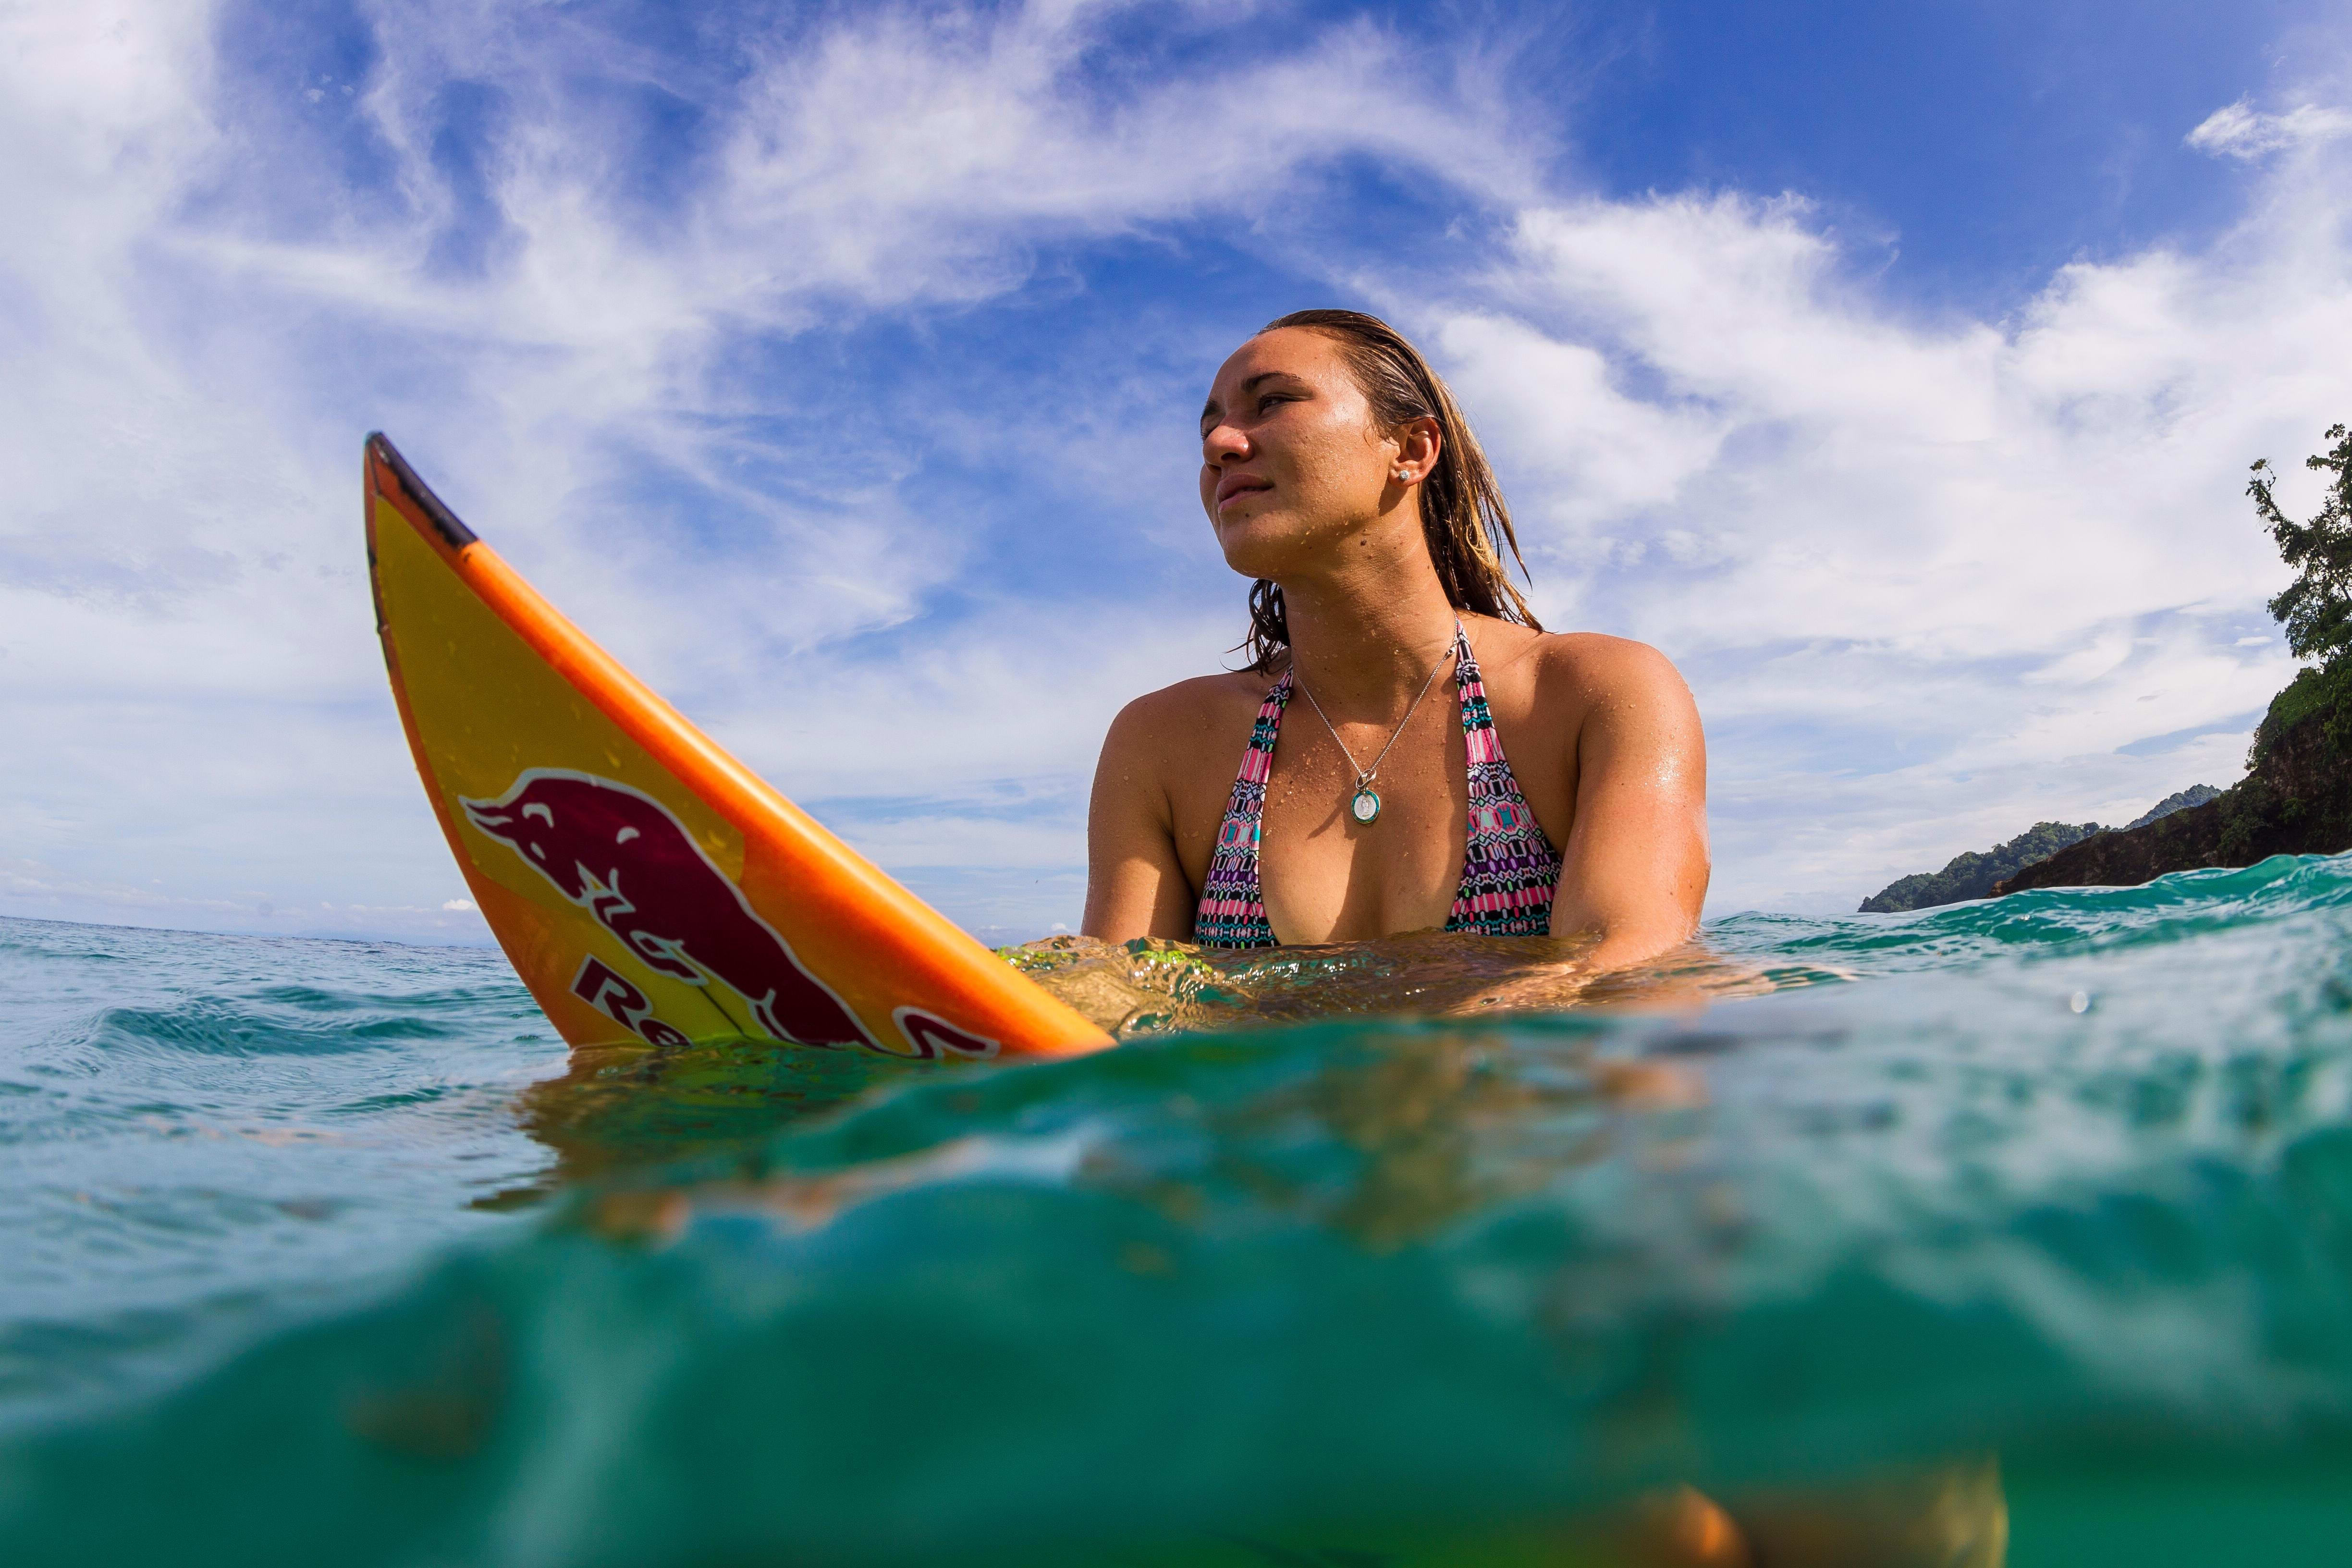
[[1894, 370]]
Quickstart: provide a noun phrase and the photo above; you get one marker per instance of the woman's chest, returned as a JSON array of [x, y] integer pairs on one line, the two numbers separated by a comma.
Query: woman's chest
[[1326, 875]]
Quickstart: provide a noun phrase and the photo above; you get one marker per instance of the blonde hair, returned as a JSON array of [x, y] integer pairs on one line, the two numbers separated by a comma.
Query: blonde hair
[[1463, 514]]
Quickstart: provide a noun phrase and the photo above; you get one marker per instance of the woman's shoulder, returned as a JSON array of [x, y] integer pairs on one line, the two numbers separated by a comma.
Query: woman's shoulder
[[1591, 663], [1179, 716]]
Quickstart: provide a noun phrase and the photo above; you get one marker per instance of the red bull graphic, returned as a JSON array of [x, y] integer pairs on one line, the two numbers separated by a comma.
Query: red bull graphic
[[934, 1036], [613, 995], [620, 855]]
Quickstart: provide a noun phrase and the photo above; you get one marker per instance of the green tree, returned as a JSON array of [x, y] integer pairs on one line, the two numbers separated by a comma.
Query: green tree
[[2316, 607]]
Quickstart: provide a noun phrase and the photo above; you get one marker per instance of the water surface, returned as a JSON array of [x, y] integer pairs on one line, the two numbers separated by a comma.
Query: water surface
[[326, 1252]]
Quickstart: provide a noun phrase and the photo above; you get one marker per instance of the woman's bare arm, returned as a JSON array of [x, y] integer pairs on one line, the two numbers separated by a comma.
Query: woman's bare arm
[[1135, 885], [1634, 871]]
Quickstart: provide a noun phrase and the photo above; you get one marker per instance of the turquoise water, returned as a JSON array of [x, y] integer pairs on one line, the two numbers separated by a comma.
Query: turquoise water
[[319, 1252]]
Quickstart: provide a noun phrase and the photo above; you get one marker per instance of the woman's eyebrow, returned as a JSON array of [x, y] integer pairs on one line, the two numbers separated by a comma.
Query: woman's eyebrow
[[1210, 410]]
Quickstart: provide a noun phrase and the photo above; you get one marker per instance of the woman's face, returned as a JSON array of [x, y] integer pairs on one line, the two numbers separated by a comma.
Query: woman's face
[[1291, 461]]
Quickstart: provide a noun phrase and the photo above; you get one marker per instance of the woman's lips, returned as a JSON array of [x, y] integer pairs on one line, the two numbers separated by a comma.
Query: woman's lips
[[1238, 486]]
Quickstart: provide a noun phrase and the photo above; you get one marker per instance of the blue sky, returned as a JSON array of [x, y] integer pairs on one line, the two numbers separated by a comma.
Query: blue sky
[[1894, 369]]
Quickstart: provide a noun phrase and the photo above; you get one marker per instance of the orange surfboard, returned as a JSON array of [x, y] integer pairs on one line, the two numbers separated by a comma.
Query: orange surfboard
[[646, 886]]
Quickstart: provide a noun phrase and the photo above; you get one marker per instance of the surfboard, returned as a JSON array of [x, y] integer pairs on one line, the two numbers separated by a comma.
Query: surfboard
[[646, 886]]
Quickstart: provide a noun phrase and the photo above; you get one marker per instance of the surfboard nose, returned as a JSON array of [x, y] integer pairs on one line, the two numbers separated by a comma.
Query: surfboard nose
[[526, 731]]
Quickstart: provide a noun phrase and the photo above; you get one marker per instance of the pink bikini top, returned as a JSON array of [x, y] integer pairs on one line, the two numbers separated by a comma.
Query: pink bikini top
[[1509, 871]]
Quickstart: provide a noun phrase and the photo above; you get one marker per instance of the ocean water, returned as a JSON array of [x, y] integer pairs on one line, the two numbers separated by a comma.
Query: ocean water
[[1897, 1237]]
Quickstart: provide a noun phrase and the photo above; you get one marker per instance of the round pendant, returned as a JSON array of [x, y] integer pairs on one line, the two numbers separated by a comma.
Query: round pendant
[[1366, 807]]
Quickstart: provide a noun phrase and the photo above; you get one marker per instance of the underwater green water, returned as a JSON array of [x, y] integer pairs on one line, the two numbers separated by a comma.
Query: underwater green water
[[319, 1252]]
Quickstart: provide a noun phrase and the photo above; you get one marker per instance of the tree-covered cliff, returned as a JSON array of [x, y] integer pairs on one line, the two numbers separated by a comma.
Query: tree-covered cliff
[[2296, 796], [2180, 800], [1972, 876], [2295, 799]]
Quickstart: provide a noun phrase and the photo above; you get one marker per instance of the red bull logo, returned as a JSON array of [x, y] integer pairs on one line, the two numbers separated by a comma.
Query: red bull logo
[[932, 1036], [619, 854], [613, 995]]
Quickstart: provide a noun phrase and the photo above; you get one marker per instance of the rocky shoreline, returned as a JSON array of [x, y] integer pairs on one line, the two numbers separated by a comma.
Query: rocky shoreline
[[2295, 799], [2296, 796]]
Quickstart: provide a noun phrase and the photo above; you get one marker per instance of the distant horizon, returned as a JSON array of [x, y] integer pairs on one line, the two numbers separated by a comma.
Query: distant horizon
[[1897, 374]]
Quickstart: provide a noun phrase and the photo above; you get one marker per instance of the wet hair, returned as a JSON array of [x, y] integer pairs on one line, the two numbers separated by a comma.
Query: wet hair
[[1463, 514]]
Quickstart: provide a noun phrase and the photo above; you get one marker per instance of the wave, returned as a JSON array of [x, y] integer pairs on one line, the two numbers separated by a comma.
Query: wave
[[2065, 1177]]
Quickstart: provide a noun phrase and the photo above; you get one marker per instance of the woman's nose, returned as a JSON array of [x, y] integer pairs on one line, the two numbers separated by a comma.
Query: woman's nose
[[1223, 443]]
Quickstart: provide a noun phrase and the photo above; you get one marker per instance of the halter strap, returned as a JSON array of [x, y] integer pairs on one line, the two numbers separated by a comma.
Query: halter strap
[[1509, 869]]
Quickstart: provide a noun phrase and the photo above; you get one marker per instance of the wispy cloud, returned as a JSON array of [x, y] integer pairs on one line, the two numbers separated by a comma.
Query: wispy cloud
[[1929, 578], [836, 371], [576, 275], [2240, 130]]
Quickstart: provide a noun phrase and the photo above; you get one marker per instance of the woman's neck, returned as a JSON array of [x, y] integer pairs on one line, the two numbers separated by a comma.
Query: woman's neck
[[1368, 646]]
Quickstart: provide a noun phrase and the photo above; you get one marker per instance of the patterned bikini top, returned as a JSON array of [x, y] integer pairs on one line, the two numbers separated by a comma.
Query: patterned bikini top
[[1508, 871]]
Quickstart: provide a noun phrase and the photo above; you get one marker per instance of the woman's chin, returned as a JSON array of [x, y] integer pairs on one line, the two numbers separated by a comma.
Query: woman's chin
[[1257, 547]]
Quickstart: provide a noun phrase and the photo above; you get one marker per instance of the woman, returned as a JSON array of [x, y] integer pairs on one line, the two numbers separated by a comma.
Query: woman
[[1321, 793]]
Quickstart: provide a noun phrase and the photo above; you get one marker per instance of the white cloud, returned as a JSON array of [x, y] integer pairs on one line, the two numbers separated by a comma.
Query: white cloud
[[1927, 577], [33, 891], [199, 329], [2240, 130]]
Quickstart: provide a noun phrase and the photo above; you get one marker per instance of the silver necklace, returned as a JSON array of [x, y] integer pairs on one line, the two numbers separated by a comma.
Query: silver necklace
[[1365, 805]]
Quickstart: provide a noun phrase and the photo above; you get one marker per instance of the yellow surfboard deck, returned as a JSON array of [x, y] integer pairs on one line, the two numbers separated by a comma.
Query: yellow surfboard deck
[[646, 886]]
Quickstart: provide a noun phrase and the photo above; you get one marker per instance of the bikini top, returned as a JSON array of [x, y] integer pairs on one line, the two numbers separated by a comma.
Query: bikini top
[[1508, 871]]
